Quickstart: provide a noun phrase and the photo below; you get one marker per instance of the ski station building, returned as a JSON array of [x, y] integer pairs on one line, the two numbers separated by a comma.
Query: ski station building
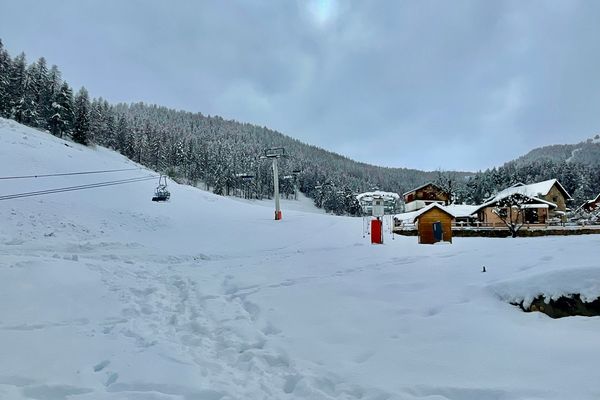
[[391, 201]]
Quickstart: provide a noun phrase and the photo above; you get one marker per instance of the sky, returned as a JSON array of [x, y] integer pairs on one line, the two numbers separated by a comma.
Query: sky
[[462, 85]]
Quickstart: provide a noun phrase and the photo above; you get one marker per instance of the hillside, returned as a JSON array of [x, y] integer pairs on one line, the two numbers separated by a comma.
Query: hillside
[[193, 148], [107, 295], [587, 152]]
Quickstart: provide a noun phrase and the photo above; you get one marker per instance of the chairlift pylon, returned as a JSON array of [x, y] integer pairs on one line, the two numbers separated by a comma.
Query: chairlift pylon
[[161, 193]]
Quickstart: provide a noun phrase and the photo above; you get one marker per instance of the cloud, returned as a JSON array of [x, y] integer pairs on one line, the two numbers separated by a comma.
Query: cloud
[[428, 84]]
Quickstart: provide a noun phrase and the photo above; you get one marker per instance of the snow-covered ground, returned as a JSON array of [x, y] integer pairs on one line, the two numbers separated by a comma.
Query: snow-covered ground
[[107, 295]]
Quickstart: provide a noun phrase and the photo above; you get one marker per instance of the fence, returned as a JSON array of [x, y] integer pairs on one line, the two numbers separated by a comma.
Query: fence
[[501, 230]]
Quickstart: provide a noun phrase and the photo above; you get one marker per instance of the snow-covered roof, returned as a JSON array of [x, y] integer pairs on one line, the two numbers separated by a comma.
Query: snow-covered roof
[[411, 217], [531, 190], [377, 193], [461, 210], [420, 187], [497, 198], [594, 200]]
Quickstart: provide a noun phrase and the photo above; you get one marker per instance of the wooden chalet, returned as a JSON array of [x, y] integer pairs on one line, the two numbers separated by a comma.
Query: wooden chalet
[[531, 210], [550, 191], [425, 195], [592, 205]]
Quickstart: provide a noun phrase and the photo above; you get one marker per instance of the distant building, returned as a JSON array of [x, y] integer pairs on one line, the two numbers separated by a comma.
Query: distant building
[[533, 210], [551, 192], [592, 205], [425, 195], [390, 199]]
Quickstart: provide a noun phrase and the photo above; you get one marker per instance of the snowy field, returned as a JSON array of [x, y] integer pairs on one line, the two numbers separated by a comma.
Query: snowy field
[[107, 295]]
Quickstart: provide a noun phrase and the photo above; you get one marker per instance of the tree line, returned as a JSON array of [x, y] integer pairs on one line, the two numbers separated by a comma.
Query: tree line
[[224, 155]]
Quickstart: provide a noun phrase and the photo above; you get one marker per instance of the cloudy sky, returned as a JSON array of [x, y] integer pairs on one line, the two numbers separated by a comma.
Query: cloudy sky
[[427, 84]]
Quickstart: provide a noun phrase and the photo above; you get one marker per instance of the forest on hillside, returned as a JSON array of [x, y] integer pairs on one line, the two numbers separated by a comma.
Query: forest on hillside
[[224, 156]]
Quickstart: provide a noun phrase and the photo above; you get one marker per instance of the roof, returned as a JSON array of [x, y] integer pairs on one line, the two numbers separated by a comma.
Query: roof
[[377, 193], [499, 197], [421, 187], [412, 216], [461, 210], [594, 200], [532, 190]]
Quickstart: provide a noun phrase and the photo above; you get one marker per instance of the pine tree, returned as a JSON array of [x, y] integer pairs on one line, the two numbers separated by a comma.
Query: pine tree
[[42, 95], [5, 70], [121, 134], [51, 91], [16, 87], [81, 123], [61, 121]]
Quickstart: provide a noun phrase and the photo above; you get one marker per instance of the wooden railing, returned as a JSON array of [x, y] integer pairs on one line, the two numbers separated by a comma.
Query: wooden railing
[[501, 226]]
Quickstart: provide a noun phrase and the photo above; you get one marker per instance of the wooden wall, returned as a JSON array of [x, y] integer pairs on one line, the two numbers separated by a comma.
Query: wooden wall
[[429, 192], [556, 196], [488, 216], [425, 225]]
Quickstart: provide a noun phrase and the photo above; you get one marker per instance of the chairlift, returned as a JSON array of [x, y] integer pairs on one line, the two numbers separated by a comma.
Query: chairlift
[[161, 193], [245, 176], [274, 152]]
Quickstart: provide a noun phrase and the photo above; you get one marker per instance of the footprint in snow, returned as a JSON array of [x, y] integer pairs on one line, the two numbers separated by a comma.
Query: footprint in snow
[[100, 366]]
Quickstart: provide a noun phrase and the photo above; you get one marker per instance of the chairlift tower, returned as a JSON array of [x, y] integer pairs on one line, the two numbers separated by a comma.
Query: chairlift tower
[[274, 154]]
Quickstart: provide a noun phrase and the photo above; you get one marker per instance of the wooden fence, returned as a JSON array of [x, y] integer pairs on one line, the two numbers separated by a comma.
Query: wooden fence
[[501, 230]]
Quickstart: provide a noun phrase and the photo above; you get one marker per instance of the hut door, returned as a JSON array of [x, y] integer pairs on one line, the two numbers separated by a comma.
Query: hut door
[[438, 235]]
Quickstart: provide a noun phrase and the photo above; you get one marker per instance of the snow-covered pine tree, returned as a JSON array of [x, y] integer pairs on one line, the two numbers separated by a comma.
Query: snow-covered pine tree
[[52, 90], [121, 134], [81, 123], [16, 87], [5, 70], [42, 93], [61, 121]]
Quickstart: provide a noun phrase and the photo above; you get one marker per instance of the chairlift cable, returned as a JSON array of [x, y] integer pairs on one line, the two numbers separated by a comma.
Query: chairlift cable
[[75, 188], [68, 173]]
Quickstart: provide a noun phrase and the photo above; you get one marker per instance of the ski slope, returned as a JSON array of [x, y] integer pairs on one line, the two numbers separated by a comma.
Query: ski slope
[[107, 295]]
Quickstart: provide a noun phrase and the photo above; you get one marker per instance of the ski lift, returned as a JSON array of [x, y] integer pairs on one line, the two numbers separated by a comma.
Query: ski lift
[[245, 176], [161, 193]]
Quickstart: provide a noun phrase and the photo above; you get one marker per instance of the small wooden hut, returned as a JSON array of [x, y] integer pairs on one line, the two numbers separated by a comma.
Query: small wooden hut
[[434, 224]]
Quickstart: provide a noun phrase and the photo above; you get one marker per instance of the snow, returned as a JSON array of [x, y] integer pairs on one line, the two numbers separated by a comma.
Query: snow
[[107, 295], [368, 196], [551, 285], [303, 203], [410, 217], [533, 190], [461, 210]]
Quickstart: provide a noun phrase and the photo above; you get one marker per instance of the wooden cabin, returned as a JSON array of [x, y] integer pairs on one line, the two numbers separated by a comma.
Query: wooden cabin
[[434, 224], [425, 195]]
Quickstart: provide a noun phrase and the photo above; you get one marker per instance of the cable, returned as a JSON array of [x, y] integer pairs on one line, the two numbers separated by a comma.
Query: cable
[[74, 188], [68, 174]]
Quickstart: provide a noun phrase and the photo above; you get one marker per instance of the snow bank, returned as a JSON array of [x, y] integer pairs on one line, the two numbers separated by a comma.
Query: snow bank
[[551, 285]]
